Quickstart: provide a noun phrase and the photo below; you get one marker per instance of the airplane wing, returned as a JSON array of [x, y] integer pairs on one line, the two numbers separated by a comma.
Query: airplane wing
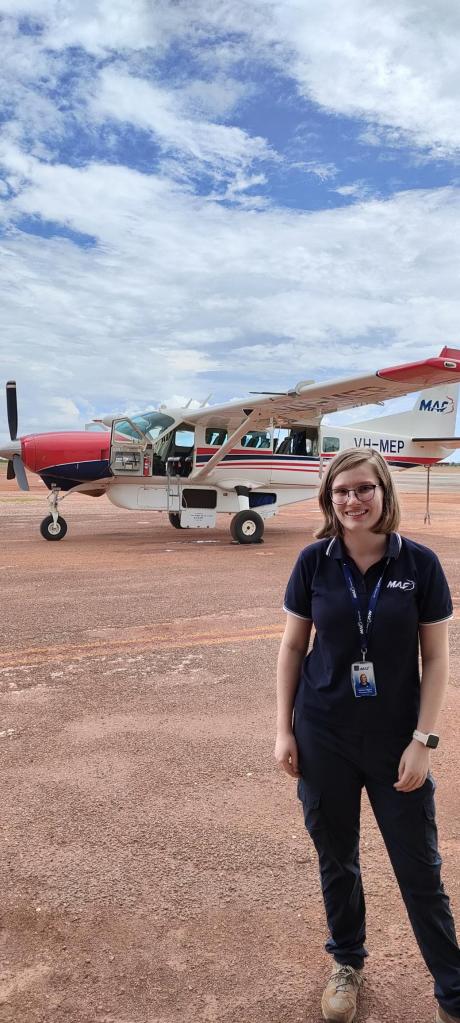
[[305, 404]]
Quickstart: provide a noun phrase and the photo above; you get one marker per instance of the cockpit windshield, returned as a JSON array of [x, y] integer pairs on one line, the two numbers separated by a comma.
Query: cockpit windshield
[[150, 423]]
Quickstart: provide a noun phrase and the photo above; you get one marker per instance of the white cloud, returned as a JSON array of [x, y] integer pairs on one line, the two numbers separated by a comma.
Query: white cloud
[[182, 292], [236, 191], [180, 295], [99, 26], [188, 362], [357, 190], [215, 98], [122, 97], [394, 64], [64, 409], [27, 77], [323, 171]]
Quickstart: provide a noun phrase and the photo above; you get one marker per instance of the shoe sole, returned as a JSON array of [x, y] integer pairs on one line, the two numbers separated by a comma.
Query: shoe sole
[[345, 1019], [333, 1019], [349, 1019]]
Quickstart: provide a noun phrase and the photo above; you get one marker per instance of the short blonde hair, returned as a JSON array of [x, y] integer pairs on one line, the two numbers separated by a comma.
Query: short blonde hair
[[350, 459]]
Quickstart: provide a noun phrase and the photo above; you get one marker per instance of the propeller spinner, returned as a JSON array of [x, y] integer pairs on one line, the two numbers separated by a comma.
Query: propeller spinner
[[15, 468]]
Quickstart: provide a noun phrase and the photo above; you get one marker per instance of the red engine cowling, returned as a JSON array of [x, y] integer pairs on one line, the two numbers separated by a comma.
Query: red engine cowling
[[45, 450]]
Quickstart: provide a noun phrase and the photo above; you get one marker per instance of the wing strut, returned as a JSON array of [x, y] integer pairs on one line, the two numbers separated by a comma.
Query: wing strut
[[229, 444]]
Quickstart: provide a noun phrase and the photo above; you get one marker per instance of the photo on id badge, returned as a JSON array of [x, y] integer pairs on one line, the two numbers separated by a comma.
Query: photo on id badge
[[362, 679]]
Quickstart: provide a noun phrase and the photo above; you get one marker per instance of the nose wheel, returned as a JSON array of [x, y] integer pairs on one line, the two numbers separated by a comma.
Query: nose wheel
[[52, 530], [54, 527]]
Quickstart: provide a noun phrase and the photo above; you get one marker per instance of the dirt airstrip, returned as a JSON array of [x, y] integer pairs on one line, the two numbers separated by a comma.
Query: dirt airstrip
[[154, 862]]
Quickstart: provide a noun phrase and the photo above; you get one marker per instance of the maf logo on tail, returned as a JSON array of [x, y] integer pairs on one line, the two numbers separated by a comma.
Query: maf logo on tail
[[428, 405]]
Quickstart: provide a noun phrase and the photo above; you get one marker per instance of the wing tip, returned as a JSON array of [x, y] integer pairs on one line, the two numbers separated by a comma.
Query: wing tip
[[439, 369]]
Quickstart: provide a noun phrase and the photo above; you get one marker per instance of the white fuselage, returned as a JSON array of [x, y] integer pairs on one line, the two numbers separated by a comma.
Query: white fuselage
[[274, 477]]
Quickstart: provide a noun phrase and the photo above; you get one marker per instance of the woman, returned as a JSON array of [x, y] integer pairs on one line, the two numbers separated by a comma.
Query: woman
[[374, 598]]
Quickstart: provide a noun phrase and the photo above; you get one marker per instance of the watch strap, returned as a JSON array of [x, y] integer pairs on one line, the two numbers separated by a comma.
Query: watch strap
[[428, 739]]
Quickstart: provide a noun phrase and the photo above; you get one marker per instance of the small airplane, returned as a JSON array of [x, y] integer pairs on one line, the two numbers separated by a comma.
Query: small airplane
[[246, 458]]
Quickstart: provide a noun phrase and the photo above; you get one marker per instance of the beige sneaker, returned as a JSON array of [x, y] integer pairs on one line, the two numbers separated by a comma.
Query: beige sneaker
[[339, 999]]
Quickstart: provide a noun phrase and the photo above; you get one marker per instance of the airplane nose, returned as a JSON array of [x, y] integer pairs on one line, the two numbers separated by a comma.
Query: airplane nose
[[13, 447]]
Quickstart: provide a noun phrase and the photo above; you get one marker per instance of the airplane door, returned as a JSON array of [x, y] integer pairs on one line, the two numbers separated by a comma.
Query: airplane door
[[181, 452], [130, 450]]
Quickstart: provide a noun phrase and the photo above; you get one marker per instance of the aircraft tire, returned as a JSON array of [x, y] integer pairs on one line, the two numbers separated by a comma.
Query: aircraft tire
[[51, 532], [247, 527], [174, 519]]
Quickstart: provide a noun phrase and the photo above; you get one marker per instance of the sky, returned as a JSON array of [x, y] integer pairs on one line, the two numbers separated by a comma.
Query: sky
[[204, 198]]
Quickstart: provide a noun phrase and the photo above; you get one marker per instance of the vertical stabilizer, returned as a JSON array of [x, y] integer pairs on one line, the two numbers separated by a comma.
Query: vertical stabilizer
[[434, 414]]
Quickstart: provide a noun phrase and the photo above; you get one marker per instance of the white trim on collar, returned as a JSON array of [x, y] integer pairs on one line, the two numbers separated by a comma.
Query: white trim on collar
[[330, 546]]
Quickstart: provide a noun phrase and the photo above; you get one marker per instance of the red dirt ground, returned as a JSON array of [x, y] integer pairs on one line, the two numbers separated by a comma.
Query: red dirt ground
[[155, 866]]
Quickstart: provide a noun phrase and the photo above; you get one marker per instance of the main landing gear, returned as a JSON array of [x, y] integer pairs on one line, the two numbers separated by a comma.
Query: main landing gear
[[247, 526], [174, 519], [54, 527]]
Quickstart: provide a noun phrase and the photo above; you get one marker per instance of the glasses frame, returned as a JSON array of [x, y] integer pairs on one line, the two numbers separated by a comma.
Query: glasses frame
[[354, 490]]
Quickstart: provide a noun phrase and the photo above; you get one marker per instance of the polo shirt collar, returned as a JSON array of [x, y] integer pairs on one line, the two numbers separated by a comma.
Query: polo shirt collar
[[336, 549]]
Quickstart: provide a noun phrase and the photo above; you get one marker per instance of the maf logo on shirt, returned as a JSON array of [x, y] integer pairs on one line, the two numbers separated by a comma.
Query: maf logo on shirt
[[398, 584]]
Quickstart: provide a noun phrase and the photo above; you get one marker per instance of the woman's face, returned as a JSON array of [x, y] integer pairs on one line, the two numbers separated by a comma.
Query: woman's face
[[356, 516]]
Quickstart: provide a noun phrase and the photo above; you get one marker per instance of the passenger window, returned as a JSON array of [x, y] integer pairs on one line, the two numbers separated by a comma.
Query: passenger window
[[331, 444], [215, 437], [256, 439]]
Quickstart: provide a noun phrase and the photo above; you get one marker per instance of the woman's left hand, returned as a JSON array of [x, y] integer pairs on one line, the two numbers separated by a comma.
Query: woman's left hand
[[413, 767]]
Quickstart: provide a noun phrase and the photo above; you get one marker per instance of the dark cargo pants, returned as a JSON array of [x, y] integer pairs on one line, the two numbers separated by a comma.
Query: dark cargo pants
[[334, 768]]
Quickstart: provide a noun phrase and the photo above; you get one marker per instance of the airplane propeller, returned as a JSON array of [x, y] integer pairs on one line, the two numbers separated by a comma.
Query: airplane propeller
[[15, 468], [12, 408]]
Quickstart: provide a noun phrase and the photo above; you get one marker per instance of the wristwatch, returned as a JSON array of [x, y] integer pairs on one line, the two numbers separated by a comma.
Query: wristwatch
[[429, 740]]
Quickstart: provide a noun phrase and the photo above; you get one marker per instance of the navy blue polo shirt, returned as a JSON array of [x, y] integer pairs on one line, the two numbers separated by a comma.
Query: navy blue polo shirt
[[414, 592]]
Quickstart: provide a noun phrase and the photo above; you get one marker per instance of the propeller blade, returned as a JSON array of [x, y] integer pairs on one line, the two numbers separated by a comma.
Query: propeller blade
[[20, 472], [12, 408], [10, 473]]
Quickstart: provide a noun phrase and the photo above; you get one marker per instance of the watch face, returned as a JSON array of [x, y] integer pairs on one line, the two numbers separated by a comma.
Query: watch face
[[432, 741]]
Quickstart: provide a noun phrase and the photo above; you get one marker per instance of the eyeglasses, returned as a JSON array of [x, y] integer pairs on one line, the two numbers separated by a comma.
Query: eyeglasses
[[365, 492]]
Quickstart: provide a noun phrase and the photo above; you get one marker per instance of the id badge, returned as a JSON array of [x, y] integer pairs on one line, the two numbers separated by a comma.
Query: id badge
[[363, 679]]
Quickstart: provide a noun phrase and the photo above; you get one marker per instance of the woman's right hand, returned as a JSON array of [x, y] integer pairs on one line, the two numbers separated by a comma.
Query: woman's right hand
[[286, 754]]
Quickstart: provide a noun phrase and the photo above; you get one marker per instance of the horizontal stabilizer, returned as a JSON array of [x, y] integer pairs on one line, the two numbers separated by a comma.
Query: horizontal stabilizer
[[448, 442]]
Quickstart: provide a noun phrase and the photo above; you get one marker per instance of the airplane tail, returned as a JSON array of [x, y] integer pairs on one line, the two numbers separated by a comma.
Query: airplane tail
[[433, 416]]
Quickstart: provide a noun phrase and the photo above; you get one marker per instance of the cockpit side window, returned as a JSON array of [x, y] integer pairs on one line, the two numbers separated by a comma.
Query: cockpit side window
[[153, 424], [127, 430]]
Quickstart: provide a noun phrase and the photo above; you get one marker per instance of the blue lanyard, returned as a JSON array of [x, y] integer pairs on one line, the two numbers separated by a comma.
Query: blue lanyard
[[363, 628]]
